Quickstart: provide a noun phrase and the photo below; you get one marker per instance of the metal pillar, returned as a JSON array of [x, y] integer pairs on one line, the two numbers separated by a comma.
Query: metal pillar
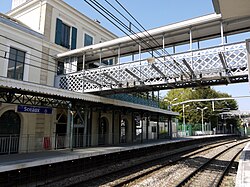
[[120, 119], [190, 40], [100, 60], [119, 55], [184, 122], [113, 126], [90, 127], [68, 126], [202, 121], [147, 125], [170, 132], [140, 54], [71, 130], [163, 46], [158, 99], [222, 33], [141, 124], [85, 127], [83, 62], [133, 131], [157, 127]]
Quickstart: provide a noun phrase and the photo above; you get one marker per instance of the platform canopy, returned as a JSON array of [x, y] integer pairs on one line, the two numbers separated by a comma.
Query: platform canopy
[[202, 28], [231, 9]]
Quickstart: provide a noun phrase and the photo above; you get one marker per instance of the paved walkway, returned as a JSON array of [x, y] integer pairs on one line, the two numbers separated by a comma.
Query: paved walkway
[[25, 160], [243, 173]]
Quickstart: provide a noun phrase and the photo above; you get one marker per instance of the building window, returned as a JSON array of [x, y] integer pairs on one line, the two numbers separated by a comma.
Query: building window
[[88, 40], [63, 35], [108, 61], [16, 64]]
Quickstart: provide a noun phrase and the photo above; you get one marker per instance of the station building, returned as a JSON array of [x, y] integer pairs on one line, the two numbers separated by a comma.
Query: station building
[[34, 114], [67, 82]]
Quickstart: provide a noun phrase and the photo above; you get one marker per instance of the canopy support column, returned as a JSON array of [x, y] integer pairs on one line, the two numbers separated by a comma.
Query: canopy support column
[[222, 33], [119, 55], [163, 46], [190, 40], [83, 61]]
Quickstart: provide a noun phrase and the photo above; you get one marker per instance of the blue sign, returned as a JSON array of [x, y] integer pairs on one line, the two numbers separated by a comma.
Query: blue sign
[[34, 109]]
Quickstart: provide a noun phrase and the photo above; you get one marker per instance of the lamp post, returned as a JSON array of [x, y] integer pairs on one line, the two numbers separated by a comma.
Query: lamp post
[[170, 102], [184, 123], [202, 118]]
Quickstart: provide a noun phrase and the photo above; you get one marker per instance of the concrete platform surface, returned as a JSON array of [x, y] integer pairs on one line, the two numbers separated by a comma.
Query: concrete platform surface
[[243, 173], [25, 160]]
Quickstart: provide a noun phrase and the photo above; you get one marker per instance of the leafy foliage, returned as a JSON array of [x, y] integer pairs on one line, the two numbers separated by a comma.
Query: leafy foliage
[[192, 115]]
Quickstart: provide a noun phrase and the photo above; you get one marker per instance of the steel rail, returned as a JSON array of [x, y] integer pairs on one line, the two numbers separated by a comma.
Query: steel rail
[[225, 171], [203, 166], [170, 162], [123, 183]]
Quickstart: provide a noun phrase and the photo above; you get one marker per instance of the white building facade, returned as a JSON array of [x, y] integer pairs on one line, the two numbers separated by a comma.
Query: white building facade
[[31, 35]]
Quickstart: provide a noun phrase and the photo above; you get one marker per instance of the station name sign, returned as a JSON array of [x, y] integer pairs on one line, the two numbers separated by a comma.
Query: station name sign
[[34, 109]]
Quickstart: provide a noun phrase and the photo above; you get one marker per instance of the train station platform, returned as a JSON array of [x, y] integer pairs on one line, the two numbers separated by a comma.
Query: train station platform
[[26, 160], [243, 173]]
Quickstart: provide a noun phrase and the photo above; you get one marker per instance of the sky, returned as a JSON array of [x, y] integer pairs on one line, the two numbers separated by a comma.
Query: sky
[[156, 13]]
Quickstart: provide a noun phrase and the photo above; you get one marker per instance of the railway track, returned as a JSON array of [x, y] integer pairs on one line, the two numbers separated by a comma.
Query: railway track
[[124, 177], [184, 170], [212, 172]]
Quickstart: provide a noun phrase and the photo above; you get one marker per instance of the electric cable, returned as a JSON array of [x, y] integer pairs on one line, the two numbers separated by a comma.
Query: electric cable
[[115, 18]]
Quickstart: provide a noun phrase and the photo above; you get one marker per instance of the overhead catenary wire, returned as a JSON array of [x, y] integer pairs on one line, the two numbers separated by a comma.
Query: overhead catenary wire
[[123, 24], [97, 5], [32, 65], [31, 55], [136, 22], [164, 50], [6, 55], [28, 46], [119, 22], [53, 63], [150, 37], [131, 24], [176, 64], [43, 61]]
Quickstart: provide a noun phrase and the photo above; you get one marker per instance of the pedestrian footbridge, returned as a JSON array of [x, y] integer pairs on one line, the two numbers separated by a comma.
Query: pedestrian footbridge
[[217, 65], [140, 62]]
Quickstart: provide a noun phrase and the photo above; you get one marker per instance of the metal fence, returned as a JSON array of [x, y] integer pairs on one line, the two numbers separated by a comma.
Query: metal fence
[[9, 144]]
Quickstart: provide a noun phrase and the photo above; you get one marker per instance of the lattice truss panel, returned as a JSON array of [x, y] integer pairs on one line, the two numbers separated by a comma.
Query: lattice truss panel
[[216, 63], [8, 96]]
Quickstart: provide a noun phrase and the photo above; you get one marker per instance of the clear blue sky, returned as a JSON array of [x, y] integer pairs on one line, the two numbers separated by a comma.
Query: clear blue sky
[[156, 13]]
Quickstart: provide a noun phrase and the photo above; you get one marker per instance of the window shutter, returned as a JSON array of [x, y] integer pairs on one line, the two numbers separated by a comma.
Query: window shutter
[[74, 38], [58, 37]]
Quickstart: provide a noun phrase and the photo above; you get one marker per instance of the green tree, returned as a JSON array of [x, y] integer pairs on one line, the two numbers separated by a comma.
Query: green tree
[[192, 115]]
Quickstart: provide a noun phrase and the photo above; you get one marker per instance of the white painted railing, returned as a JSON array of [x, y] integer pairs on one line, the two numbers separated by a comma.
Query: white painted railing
[[9, 144], [205, 64]]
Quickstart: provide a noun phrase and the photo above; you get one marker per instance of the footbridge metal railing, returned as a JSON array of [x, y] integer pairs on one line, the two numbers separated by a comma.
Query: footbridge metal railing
[[223, 64]]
